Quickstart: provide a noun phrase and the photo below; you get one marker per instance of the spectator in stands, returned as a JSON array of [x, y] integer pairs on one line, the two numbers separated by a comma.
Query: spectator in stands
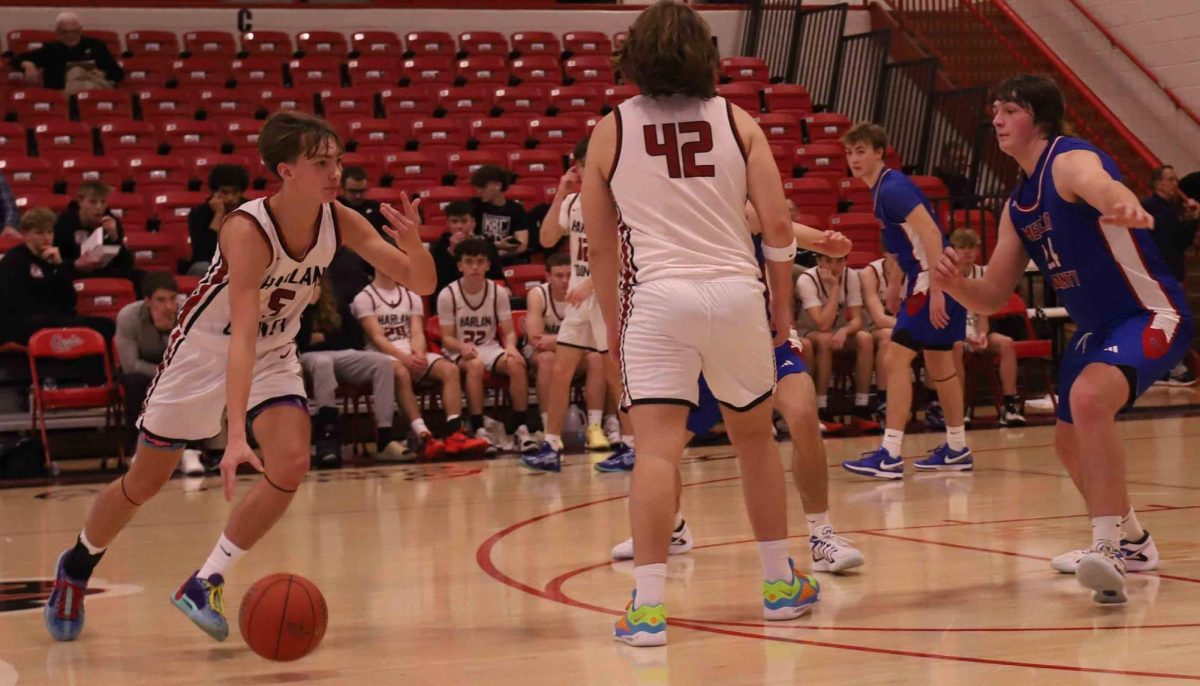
[[502, 221], [73, 63], [86, 213], [228, 184], [831, 321], [143, 328], [954, 170], [1176, 217], [980, 340], [354, 196], [329, 357], [348, 272], [9, 217], [35, 284], [460, 225]]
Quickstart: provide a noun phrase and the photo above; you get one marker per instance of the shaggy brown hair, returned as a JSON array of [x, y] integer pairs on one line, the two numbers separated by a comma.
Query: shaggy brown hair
[[670, 51]]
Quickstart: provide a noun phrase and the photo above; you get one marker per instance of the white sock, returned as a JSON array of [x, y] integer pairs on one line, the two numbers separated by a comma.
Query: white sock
[[1131, 529], [862, 399], [816, 522], [774, 556], [223, 555], [96, 550], [555, 441], [678, 520], [627, 439], [595, 417], [650, 582], [1106, 529], [893, 441], [822, 402], [545, 421], [419, 428], [956, 437]]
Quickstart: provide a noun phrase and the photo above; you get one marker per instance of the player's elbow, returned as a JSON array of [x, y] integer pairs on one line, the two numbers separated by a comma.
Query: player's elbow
[[777, 230]]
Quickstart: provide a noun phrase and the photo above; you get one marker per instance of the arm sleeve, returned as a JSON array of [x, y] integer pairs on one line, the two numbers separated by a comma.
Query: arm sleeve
[[38, 57], [897, 199], [106, 63], [806, 291], [520, 217], [8, 207], [853, 289]]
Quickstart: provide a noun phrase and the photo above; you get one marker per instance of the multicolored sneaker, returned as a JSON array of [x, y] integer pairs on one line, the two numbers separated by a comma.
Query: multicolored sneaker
[[595, 438], [784, 600], [64, 610], [202, 601], [877, 463], [943, 459], [832, 553], [643, 626], [546, 459], [681, 542], [620, 461], [1102, 569], [459, 444]]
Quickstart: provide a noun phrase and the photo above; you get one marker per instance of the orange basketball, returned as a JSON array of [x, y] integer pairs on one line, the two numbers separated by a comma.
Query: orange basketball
[[283, 617]]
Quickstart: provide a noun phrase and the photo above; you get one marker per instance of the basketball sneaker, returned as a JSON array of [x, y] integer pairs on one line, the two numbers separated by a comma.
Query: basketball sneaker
[[934, 419], [644, 626], [865, 424], [63, 611], [1102, 569], [482, 434], [596, 440], [681, 542], [1011, 417], [546, 459], [832, 553], [190, 463], [523, 442], [943, 459], [620, 461], [202, 601], [431, 448], [612, 429], [828, 425], [784, 600], [459, 444], [878, 463], [1140, 556]]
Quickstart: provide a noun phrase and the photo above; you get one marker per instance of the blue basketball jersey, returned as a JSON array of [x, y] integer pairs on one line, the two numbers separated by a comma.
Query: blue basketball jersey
[[1101, 273], [896, 196]]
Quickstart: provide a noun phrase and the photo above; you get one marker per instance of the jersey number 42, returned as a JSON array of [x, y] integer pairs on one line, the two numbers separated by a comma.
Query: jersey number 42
[[663, 141]]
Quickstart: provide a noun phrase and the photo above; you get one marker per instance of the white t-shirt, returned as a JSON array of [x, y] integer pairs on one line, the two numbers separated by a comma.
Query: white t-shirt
[[811, 292], [394, 308]]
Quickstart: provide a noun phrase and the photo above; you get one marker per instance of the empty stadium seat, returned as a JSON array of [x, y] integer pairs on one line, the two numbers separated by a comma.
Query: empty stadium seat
[[27, 173], [476, 43], [120, 136], [242, 134], [12, 140], [29, 199], [537, 69], [298, 99], [130, 208], [826, 126], [25, 40], [434, 200], [430, 43], [589, 69], [412, 102], [376, 43], [482, 69], [933, 187], [322, 43], [783, 97], [107, 103], [154, 173], [522, 99], [415, 166], [825, 156], [742, 94], [53, 139], [857, 193], [531, 163], [152, 42], [556, 130], [164, 103], [188, 134], [219, 104], [587, 43], [367, 132], [32, 106], [374, 70], [615, 95], [316, 71], [815, 196], [267, 43], [429, 131], [157, 251], [147, 71], [783, 129], [466, 162], [751, 69], [498, 131], [265, 70], [527, 43], [202, 71], [342, 102], [860, 227], [473, 101], [428, 69], [209, 43], [579, 99], [201, 162], [176, 205]]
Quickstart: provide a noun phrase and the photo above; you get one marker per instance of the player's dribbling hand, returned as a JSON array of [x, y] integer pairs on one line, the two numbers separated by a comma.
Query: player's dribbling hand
[[236, 453], [937, 310], [1128, 215], [781, 321], [945, 274], [833, 244], [403, 225]]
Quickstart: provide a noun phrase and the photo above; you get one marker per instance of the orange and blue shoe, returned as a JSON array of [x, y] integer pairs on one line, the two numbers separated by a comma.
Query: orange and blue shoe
[[644, 626], [201, 600], [64, 610], [784, 600]]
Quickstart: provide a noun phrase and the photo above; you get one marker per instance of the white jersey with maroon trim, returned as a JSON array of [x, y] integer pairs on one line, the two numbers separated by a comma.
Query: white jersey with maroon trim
[[679, 181], [394, 309], [571, 218], [285, 288], [476, 317], [553, 311]]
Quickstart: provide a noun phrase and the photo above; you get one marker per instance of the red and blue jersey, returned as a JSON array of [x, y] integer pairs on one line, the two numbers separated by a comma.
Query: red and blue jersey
[[896, 196]]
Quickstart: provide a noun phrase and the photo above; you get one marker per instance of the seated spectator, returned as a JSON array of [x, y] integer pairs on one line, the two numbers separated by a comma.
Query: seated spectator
[[547, 305], [143, 328], [831, 320], [878, 321], [36, 283], [498, 219], [349, 272], [460, 225], [1176, 217], [328, 357], [393, 322], [354, 195], [473, 313], [979, 339], [86, 213], [228, 184], [9, 216], [73, 63]]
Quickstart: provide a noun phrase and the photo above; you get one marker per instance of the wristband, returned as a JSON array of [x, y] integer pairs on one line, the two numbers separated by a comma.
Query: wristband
[[786, 253]]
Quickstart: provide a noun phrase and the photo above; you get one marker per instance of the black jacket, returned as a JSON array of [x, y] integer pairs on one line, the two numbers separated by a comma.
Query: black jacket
[[69, 233], [32, 286], [1172, 233], [54, 57]]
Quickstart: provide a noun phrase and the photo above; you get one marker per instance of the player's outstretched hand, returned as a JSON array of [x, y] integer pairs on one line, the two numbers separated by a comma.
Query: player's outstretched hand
[[833, 244], [1128, 215], [236, 453], [945, 273], [403, 225]]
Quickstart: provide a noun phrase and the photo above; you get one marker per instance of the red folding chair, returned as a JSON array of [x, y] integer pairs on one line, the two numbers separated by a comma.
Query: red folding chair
[[72, 344], [476, 43]]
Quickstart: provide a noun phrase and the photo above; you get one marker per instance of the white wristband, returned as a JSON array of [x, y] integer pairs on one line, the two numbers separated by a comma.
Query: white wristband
[[786, 253]]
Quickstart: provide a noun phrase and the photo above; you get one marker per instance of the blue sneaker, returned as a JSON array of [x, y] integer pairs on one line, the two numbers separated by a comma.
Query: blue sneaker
[[201, 600], [64, 610], [546, 459], [943, 459], [620, 461], [878, 463]]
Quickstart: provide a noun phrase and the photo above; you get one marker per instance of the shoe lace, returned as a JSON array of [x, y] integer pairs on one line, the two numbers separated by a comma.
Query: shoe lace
[[827, 543]]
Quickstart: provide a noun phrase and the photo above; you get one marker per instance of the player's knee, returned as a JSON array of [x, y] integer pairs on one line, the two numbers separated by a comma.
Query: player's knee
[[320, 366], [865, 342], [401, 372], [291, 466], [474, 367], [1091, 404], [146, 478]]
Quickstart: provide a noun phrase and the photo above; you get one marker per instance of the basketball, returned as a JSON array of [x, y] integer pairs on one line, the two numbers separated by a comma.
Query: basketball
[[283, 617]]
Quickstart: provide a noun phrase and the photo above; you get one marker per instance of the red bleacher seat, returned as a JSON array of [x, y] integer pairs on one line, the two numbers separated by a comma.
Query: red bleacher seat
[[467, 162], [826, 126], [209, 43], [27, 172], [76, 170], [556, 130], [783, 159], [30, 199], [156, 251], [429, 131], [476, 43], [498, 131], [587, 43], [537, 69], [742, 94], [434, 200], [752, 69], [298, 99], [536, 43], [58, 137], [322, 43], [265, 70], [933, 187], [106, 103], [527, 195], [376, 43], [374, 69], [821, 157], [344, 102], [111, 39], [151, 173], [223, 103], [202, 71], [482, 69], [783, 129], [121, 135], [409, 102], [200, 162], [375, 133], [857, 193], [430, 43], [152, 42], [615, 95], [589, 69], [103, 297], [267, 43], [415, 166], [858, 259], [316, 70], [860, 227], [35, 105], [370, 161], [783, 97], [814, 196], [147, 71], [165, 103], [522, 99], [472, 101], [172, 206], [816, 221], [428, 69], [576, 99], [536, 163], [25, 40], [12, 140], [188, 134], [241, 133], [130, 208]]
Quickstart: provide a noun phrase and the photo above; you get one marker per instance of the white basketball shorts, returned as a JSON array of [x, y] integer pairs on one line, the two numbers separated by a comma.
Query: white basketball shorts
[[583, 327]]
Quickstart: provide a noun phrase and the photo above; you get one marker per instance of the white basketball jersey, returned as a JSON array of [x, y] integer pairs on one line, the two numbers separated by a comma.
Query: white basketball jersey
[[552, 311], [476, 317], [679, 180], [880, 277], [394, 309], [571, 217], [285, 289]]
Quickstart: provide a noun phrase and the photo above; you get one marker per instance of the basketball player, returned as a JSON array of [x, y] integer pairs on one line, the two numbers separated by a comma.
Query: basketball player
[[670, 171], [927, 321], [581, 335], [233, 350], [1090, 238], [472, 313], [879, 322], [393, 322]]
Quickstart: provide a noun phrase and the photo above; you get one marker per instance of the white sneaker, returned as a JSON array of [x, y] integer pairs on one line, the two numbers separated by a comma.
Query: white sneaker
[[523, 442], [483, 434], [832, 553], [190, 463], [1102, 569], [612, 429], [681, 542], [396, 451], [1140, 556]]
